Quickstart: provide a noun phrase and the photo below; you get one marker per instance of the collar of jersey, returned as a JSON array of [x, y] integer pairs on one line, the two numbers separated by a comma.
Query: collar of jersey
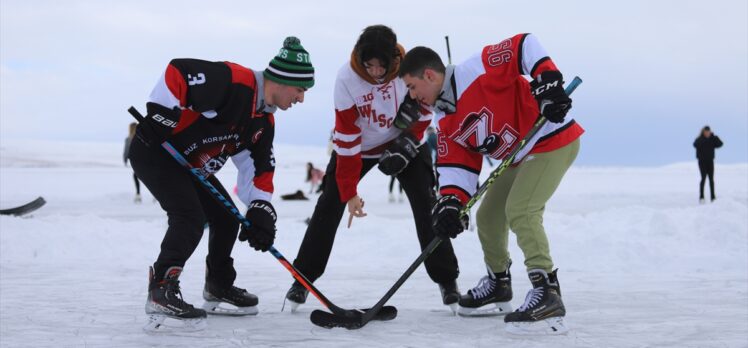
[[447, 101], [261, 106]]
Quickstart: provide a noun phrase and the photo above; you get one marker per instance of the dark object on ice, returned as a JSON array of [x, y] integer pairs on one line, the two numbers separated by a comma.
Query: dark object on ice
[[296, 196], [24, 209], [329, 320]]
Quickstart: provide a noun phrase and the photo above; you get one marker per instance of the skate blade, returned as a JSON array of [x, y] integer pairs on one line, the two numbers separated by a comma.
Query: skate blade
[[158, 323], [550, 326], [454, 307], [223, 308], [489, 310]]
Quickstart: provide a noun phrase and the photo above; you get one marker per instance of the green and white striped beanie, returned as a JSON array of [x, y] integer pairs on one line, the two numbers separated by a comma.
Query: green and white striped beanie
[[291, 66]]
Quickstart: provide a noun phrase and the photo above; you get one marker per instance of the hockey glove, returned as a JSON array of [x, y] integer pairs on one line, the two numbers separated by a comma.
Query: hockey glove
[[403, 150], [553, 101], [407, 113], [158, 125], [446, 217], [261, 232]]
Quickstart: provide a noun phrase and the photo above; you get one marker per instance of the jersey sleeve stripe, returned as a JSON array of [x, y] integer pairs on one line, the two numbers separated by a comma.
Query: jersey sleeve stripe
[[453, 176], [519, 53], [460, 166], [538, 64], [176, 84], [346, 137], [347, 151]]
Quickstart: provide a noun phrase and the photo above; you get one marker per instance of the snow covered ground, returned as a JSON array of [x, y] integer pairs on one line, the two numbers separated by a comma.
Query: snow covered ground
[[642, 264]]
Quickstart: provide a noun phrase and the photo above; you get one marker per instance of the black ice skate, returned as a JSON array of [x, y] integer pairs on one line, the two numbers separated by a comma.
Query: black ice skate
[[228, 300], [450, 294], [296, 295], [165, 301], [543, 311], [490, 297]]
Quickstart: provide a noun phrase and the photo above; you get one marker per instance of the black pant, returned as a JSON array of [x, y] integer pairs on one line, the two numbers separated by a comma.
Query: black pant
[[706, 167], [418, 184], [188, 207]]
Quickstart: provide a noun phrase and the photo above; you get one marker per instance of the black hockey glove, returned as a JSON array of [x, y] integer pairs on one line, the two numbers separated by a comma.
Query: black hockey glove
[[261, 232], [407, 113], [403, 150], [553, 101], [158, 125], [446, 217]]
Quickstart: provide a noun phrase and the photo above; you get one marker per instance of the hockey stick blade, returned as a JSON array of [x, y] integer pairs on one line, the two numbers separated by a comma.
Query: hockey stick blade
[[24, 209], [351, 321]]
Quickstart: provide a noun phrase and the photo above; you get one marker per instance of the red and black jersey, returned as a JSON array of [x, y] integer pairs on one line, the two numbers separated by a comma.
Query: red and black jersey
[[486, 99], [223, 115]]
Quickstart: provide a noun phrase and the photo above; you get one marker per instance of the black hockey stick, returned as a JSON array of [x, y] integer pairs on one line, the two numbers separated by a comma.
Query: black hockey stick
[[24, 209], [346, 315], [328, 320]]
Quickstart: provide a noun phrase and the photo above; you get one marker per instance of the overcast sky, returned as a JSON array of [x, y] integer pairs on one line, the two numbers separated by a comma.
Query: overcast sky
[[654, 72]]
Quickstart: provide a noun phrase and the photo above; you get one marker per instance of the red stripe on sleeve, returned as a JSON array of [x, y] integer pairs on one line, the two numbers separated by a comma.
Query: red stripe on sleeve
[[264, 181], [176, 84], [455, 192], [347, 174], [546, 65], [345, 121], [186, 118]]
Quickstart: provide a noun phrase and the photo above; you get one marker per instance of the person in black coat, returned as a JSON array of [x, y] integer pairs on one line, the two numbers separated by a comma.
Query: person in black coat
[[705, 145]]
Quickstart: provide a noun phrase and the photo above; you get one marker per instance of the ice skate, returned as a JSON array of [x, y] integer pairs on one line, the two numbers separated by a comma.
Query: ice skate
[[543, 311], [296, 295], [450, 295], [165, 307], [228, 301], [490, 297]]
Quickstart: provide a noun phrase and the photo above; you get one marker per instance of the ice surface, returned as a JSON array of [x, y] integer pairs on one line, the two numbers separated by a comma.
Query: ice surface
[[642, 264]]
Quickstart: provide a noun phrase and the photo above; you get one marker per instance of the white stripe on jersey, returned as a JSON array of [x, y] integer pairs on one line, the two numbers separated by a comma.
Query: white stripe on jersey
[[162, 95], [346, 152], [455, 176], [345, 137], [247, 191], [532, 52]]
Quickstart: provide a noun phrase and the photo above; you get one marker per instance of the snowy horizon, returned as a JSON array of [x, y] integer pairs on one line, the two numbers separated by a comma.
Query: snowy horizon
[[654, 72]]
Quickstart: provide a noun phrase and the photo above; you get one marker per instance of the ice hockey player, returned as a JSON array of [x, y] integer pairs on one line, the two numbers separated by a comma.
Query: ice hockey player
[[368, 95], [488, 108], [210, 111]]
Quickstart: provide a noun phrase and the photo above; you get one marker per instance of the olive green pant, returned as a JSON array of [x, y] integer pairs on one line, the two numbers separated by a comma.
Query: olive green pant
[[516, 201]]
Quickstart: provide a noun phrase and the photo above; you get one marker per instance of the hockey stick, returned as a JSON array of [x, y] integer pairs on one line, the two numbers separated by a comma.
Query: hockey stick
[[327, 320], [449, 52], [349, 315], [24, 209]]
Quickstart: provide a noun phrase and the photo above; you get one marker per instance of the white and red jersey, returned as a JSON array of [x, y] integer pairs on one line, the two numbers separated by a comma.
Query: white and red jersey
[[223, 115], [364, 113], [487, 99]]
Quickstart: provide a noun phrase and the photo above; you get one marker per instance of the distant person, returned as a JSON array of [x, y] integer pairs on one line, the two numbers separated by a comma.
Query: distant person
[[705, 145], [392, 186], [128, 141], [313, 176]]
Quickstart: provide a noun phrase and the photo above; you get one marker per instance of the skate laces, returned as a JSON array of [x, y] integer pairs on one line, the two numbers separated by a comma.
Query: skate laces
[[172, 286], [533, 298], [485, 286]]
